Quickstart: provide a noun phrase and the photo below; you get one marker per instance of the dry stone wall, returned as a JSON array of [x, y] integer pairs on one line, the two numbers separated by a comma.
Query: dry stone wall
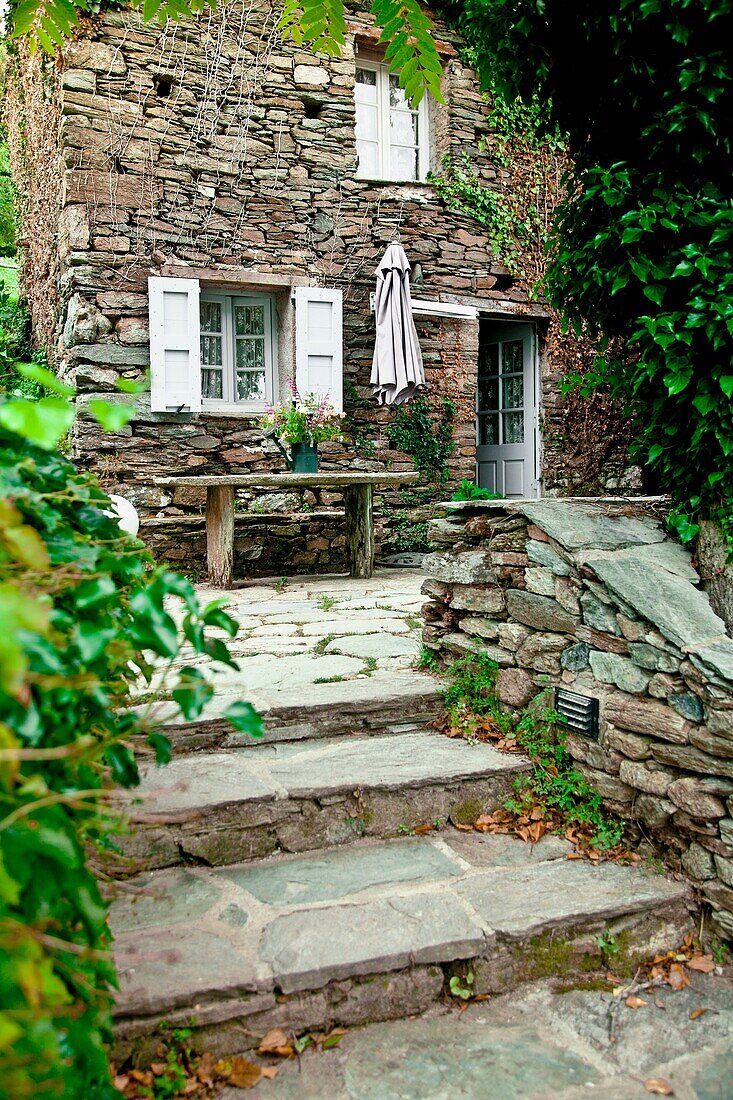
[[592, 596]]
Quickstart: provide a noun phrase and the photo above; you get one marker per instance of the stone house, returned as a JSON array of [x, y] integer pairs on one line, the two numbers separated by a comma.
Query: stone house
[[220, 202]]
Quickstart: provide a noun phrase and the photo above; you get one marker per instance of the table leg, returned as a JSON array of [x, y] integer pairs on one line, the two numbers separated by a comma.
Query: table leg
[[220, 534], [359, 530]]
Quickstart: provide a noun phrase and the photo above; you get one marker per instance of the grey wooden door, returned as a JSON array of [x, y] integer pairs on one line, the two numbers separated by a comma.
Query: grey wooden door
[[505, 410]]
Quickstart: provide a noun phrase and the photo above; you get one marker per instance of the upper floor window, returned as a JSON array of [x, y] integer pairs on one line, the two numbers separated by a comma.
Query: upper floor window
[[237, 350], [391, 135]]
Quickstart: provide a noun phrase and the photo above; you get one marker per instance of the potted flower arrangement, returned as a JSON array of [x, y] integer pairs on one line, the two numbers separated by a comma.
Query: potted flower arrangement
[[301, 425]]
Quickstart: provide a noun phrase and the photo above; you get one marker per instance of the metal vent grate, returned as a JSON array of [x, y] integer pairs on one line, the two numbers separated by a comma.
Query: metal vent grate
[[579, 711]]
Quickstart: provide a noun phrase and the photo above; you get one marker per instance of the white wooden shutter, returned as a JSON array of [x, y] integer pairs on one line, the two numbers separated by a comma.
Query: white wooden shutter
[[319, 357], [175, 355]]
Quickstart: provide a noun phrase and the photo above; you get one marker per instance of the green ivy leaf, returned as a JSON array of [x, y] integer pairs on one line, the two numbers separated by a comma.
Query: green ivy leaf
[[44, 377], [43, 422], [192, 692], [111, 415], [245, 719]]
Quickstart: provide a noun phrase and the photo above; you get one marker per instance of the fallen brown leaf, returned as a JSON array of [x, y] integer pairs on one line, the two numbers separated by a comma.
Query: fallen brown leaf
[[658, 1086], [244, 1074], [677, 977], [636, 1002], [697, 1013], [270, 1072], [703, 963], [276, 1042]]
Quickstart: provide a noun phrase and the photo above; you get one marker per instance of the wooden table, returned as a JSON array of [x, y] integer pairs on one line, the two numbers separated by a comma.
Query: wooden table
[[358, 490]]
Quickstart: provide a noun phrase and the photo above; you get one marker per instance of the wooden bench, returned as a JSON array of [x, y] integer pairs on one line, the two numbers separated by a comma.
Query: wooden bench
[[357, 488]]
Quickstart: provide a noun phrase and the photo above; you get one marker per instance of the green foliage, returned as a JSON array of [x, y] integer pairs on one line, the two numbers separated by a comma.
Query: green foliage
[[404, 535], [643, 242], [426, 433], [468, 490], [84, 615], [461, 189], [8, 235], [427, 660], [555, 782], [462, 987]]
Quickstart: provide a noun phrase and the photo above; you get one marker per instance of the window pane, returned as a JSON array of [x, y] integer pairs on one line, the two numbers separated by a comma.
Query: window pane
[[250, 354], [489, 359], [249, 320], [211, 317], [211, 384], [367, 123], [403, 163], [514, 427], [512, 361], [211, 350], [488, 435], [513, 392], [488, 394], [368, 154], [367, 77], [397, 97], [250, 385], [402, 128]]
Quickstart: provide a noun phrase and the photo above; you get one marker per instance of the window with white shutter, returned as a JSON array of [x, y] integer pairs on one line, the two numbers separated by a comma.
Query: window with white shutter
[[319, 364], [238, 361], [175, 365], [392, 136]]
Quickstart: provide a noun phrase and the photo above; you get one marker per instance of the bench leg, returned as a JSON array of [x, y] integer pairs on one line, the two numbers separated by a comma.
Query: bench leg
[[359, 530], [220, 534]]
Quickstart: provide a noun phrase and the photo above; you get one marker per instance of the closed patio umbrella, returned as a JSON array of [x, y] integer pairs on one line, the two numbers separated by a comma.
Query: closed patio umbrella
[[397, 367]]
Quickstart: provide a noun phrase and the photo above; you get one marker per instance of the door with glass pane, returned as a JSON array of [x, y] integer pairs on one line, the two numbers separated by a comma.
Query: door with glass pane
[[505, 410]]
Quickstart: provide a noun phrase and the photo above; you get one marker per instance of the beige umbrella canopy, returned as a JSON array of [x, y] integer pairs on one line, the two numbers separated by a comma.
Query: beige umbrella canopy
[[397, 367]]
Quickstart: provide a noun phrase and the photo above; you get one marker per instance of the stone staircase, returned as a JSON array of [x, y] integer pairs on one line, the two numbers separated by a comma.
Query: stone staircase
[[271, 884]]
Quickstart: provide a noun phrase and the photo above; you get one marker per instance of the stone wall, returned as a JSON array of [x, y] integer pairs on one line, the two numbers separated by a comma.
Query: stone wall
[[210, 147], [266, 544], [592, 596]]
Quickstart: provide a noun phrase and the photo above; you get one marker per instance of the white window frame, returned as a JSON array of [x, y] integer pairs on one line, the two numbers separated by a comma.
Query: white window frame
[[384, 145], [228, 302]]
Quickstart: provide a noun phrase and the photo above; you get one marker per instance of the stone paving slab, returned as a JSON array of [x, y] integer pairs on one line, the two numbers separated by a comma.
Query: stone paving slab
[[533, 1044], [304, 769], [311, 947], [520, 902]]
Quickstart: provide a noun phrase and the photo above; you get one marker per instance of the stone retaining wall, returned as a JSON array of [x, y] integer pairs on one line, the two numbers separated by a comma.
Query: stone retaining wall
[[270, 544], [592, 596]]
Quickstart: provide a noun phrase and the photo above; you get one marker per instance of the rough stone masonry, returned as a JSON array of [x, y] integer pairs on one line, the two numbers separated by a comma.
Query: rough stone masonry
[[214, 148], [594, 597]]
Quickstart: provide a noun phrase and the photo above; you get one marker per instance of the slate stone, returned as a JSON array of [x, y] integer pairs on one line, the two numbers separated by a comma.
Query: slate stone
[[681, 612], [471, 567], [486, 849], [543, 554], [342, 871], [352, 763], [521, 902], [308, 948], [515, 687], [641, 715], [649, 777], [485, 598], [717, 655], [575, 657], [576, 526], [207, 779], [698, 862], [540, 581], [648, 656], [609, 668], [479, 627], [691, 795], [598, 615], [539, 612], [689, 706], [168, 898], [375, 645], [165, 970]]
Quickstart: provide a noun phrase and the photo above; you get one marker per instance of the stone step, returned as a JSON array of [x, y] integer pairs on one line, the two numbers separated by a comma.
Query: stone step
[[371, 932], [386, 702], [224, 807]]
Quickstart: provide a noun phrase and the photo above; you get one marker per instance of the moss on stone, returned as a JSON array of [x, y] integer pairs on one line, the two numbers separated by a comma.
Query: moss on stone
[[549, 955], [465, 813]]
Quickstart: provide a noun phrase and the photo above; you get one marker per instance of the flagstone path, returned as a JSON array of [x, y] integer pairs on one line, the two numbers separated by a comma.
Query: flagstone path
[[315, 878]]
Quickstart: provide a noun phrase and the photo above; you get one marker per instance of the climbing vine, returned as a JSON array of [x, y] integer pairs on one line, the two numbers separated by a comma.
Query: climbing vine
[[425, 432]]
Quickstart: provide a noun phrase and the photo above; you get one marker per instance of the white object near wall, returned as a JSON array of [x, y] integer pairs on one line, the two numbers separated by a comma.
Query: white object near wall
[[125, 513]]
